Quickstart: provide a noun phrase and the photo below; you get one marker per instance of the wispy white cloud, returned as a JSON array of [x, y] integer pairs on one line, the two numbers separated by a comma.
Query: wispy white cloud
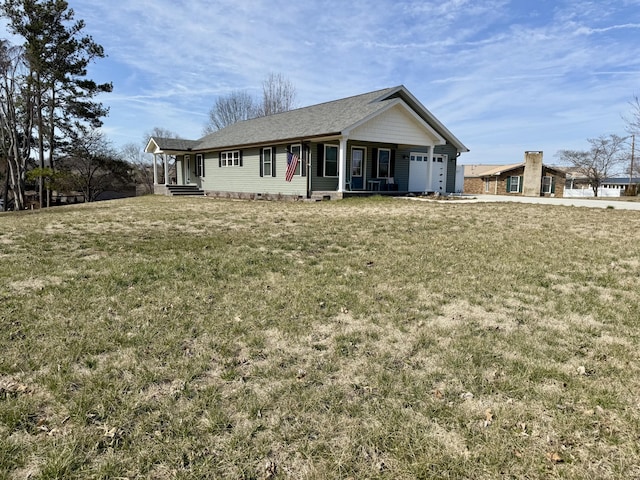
[[501, 74], [584, 30]]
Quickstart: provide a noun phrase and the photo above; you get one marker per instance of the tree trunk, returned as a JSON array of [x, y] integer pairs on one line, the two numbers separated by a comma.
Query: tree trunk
[[40, 122], [5, 195], [52, 139]]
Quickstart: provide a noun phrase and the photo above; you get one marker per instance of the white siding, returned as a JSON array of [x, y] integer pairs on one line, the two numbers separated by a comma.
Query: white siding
[[395, 125]]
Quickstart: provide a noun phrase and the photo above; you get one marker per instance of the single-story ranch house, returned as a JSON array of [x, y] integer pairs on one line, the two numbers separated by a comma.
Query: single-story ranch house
[[530, 179], [382, 141]]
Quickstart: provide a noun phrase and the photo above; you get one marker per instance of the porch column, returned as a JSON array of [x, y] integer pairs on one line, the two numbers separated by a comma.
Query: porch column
[[166, 169], [155, 169], [342, 164]]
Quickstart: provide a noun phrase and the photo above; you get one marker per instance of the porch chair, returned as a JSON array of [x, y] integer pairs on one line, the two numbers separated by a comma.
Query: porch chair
[[391, 185]]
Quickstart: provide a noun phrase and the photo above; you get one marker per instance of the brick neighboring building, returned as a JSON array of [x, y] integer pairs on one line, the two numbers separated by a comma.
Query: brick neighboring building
[[530, 178]]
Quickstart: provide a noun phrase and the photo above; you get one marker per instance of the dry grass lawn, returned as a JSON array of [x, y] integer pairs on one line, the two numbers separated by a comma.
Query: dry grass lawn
[[186, 338]]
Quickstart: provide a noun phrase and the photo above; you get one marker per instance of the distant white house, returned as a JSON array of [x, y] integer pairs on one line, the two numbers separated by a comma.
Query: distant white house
[[577, 185]]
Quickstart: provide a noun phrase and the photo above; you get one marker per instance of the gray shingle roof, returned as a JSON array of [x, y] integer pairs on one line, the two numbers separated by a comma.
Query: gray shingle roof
[[179, 144], [324, 119], [478, 171], [488, 170]]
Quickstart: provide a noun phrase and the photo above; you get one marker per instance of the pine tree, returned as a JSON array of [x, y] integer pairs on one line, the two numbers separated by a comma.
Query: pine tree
[[58, 55]]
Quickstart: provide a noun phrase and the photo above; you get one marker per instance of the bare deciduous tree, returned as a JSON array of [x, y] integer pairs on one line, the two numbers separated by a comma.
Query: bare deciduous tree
[[278, 95], [92, 165], [235, 107], [603, 159], [16, 121], [633, 121], [142, 165]]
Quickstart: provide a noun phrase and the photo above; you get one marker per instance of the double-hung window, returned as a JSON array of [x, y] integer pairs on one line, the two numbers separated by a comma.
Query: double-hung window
[[547, 184], [267, 162], [199, 165], [297, 150], [230, 158], [330, 160], [514, 184], [384, 162]]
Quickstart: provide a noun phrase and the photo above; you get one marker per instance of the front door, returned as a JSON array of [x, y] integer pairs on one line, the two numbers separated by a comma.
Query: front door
[[418, 169], [187, 169], [438, 173], [357, 168]]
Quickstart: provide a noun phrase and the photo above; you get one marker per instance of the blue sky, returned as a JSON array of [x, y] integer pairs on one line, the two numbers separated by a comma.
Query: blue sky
[[503, 76]]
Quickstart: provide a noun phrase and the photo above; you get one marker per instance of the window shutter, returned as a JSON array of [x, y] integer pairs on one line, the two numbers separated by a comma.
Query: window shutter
[[219, 159], [304, 150], [520, 184], [202, 162], [553, 184], [508, 184], [240, 157], [273, 161], [374, 163], [392, 163], [261, 162], [320, 160]]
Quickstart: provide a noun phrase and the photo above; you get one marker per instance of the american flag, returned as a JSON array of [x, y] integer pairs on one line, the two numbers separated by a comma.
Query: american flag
[[292, 163]]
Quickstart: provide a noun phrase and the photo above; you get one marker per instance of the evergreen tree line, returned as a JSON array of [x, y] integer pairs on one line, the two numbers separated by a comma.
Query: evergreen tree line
[[49, 115], [50, 118]]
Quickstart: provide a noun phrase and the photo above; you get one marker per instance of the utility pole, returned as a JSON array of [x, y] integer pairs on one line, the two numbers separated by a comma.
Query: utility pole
[[633, 146]]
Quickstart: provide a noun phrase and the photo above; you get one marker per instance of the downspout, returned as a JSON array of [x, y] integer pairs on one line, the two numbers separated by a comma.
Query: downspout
[[306, 150]]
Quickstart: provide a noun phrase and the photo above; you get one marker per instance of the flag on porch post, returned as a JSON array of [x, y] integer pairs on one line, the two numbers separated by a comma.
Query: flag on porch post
[[292, 163]]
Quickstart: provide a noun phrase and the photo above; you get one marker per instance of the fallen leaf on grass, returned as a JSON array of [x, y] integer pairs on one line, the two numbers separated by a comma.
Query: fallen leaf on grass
[[488, 417], [270, 470], [554, 457], [523, 426]]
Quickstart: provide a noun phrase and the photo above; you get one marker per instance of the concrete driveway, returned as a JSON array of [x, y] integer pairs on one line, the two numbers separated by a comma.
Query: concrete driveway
[[575, 202]]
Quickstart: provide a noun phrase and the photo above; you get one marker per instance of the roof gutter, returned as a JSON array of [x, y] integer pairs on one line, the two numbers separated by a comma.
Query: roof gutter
[[268, 142]]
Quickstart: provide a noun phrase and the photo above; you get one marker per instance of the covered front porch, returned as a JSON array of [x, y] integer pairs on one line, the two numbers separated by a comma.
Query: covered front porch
[[354, 167], [166, 171]]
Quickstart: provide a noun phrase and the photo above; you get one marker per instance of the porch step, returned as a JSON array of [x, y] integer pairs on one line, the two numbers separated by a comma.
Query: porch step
[[176, 190]]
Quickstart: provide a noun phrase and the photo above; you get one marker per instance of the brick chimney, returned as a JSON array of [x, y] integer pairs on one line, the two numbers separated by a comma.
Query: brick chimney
[[532, 181]]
